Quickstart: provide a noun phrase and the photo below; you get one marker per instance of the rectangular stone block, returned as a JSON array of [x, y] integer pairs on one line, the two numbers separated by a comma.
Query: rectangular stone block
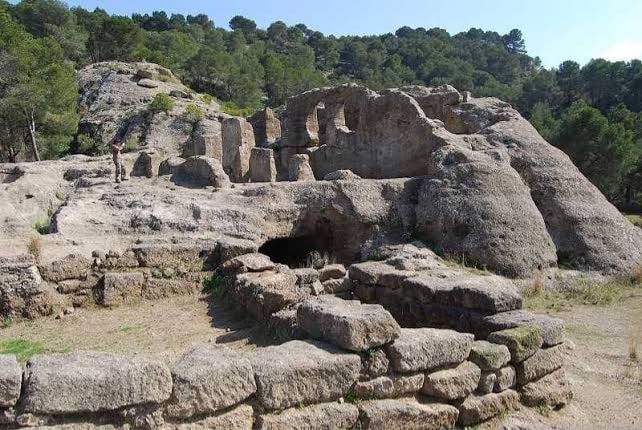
[[10, 381], [239, 418], [506, 378], [92, 382], [303, 372], [522, 342], [262, 165], [452, 384], [326, 416], [406, 414], [389, 386], [426, 348], [118, 288], [348, 324], [210, 378], [541, 363], [476, 409], [552, 328]]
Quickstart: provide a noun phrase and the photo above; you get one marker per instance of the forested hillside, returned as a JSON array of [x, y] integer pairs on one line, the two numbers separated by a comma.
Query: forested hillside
[[591, 112]]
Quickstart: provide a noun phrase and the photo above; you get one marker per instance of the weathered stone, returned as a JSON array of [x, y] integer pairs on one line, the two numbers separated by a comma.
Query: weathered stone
[[22, 291], [10, 381], [303, 372], [7, 417], [306, 275], [200, 171], [332, 271], [376, 363], [264, 293], [391, 386], [169, 166], [406, 414], [92, 382], [283, 325], [148, 83], [453, 384], [179, 94], [348, 324], [326, 416], [239, 418], [147, 164], [487, 382], [238, 141], [506, 378], [155, 289], [145, 73], [118, 288], [427, 348], [540, 364], [206, 140], [379, 273], [522, 342], [262, 165], [341, 175], [552, 328], [267, 127], [489, 356], [184, 257], [253, 262], [73, 266], [208, 379], [552, 390], [125, 260], [335, 286], [476, 409], [299, 168]]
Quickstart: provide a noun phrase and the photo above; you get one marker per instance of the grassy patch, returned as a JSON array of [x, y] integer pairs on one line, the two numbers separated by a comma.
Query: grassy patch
[[213, 285], [461, 263], [581, 293], [233, 109], [636, 220], [21, 348], [131, 328], [6, 323]]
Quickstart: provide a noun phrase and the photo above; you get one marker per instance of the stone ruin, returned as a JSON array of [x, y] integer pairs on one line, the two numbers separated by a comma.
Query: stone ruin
[[335, 229]]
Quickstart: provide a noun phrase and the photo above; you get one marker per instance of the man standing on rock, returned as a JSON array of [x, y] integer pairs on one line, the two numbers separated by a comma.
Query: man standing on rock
[[116, 149]]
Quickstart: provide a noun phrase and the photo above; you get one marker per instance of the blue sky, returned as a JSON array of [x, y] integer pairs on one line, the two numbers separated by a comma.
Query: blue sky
[[555, 30]]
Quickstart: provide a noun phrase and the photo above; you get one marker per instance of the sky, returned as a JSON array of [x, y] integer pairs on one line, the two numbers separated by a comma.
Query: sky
[[554, 30]]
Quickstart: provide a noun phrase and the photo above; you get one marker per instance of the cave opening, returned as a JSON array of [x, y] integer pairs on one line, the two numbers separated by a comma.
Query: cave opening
[[300, 251]]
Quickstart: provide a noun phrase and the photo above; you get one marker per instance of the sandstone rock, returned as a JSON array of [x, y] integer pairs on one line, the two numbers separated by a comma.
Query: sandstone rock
[[326, 416], [264, 293], [238, 141], [283, 325], [522, 342], [426, 348], [453, 384], [306, 275], [169, 166], [552, 390], [540, 364], [254, 262], [206, 140], [379, 273], [267, 127], [239, 418], [148, 83], [552, 328], [390, 386], [22, 291], [348, 324], [10, 381], [262, 165], [486, 382], [336, 286], [489, 356], [341, 175], [73, 266], [299, 168], [299, 372], [476, 409], [201, 171], [506, 378], [208, 379], [92, 382], [332, 271], [406, 414], [117, 288]]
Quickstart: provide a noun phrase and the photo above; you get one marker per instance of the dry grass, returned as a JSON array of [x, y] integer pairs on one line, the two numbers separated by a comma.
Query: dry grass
[[635, 334], [35, 247], [636, 275], [536, 287], [582, 292]]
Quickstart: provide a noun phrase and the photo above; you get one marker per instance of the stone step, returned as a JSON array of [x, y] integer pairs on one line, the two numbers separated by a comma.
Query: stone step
[[453, 384], [406, 414]]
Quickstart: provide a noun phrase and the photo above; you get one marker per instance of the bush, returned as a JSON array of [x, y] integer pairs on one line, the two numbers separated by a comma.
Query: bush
[[131, 144], [86, 145], [193, 114], [207, 99], [162, 103], [233, 109]]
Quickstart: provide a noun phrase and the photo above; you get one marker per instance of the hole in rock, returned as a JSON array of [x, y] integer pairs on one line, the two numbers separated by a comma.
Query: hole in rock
[[300, 251]]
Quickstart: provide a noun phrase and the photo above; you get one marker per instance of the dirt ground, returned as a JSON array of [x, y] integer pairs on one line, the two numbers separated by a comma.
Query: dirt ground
[[607, 383]]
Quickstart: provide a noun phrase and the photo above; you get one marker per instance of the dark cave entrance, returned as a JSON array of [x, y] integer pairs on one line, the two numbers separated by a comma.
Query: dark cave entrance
[[300, 251]]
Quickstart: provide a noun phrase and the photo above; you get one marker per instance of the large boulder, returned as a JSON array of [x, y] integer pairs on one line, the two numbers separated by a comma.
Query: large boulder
[[266, 126], [92, 382], [348, 324], [300, 372], [262, 165], [201, 171], [238, 141], [299, 168], [266, 292], [208, 379]]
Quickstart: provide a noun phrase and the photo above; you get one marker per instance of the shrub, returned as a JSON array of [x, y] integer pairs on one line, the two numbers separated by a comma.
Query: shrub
[[35, 247], [233, 109], [213, 285], [537, 286], [131, 144], [162, 103], [193, 114], [42, 226], [207, 99], [86, 145]]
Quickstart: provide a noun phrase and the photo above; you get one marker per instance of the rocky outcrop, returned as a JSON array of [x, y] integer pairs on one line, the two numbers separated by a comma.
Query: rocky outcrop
[[238, 141], [200, 172]]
